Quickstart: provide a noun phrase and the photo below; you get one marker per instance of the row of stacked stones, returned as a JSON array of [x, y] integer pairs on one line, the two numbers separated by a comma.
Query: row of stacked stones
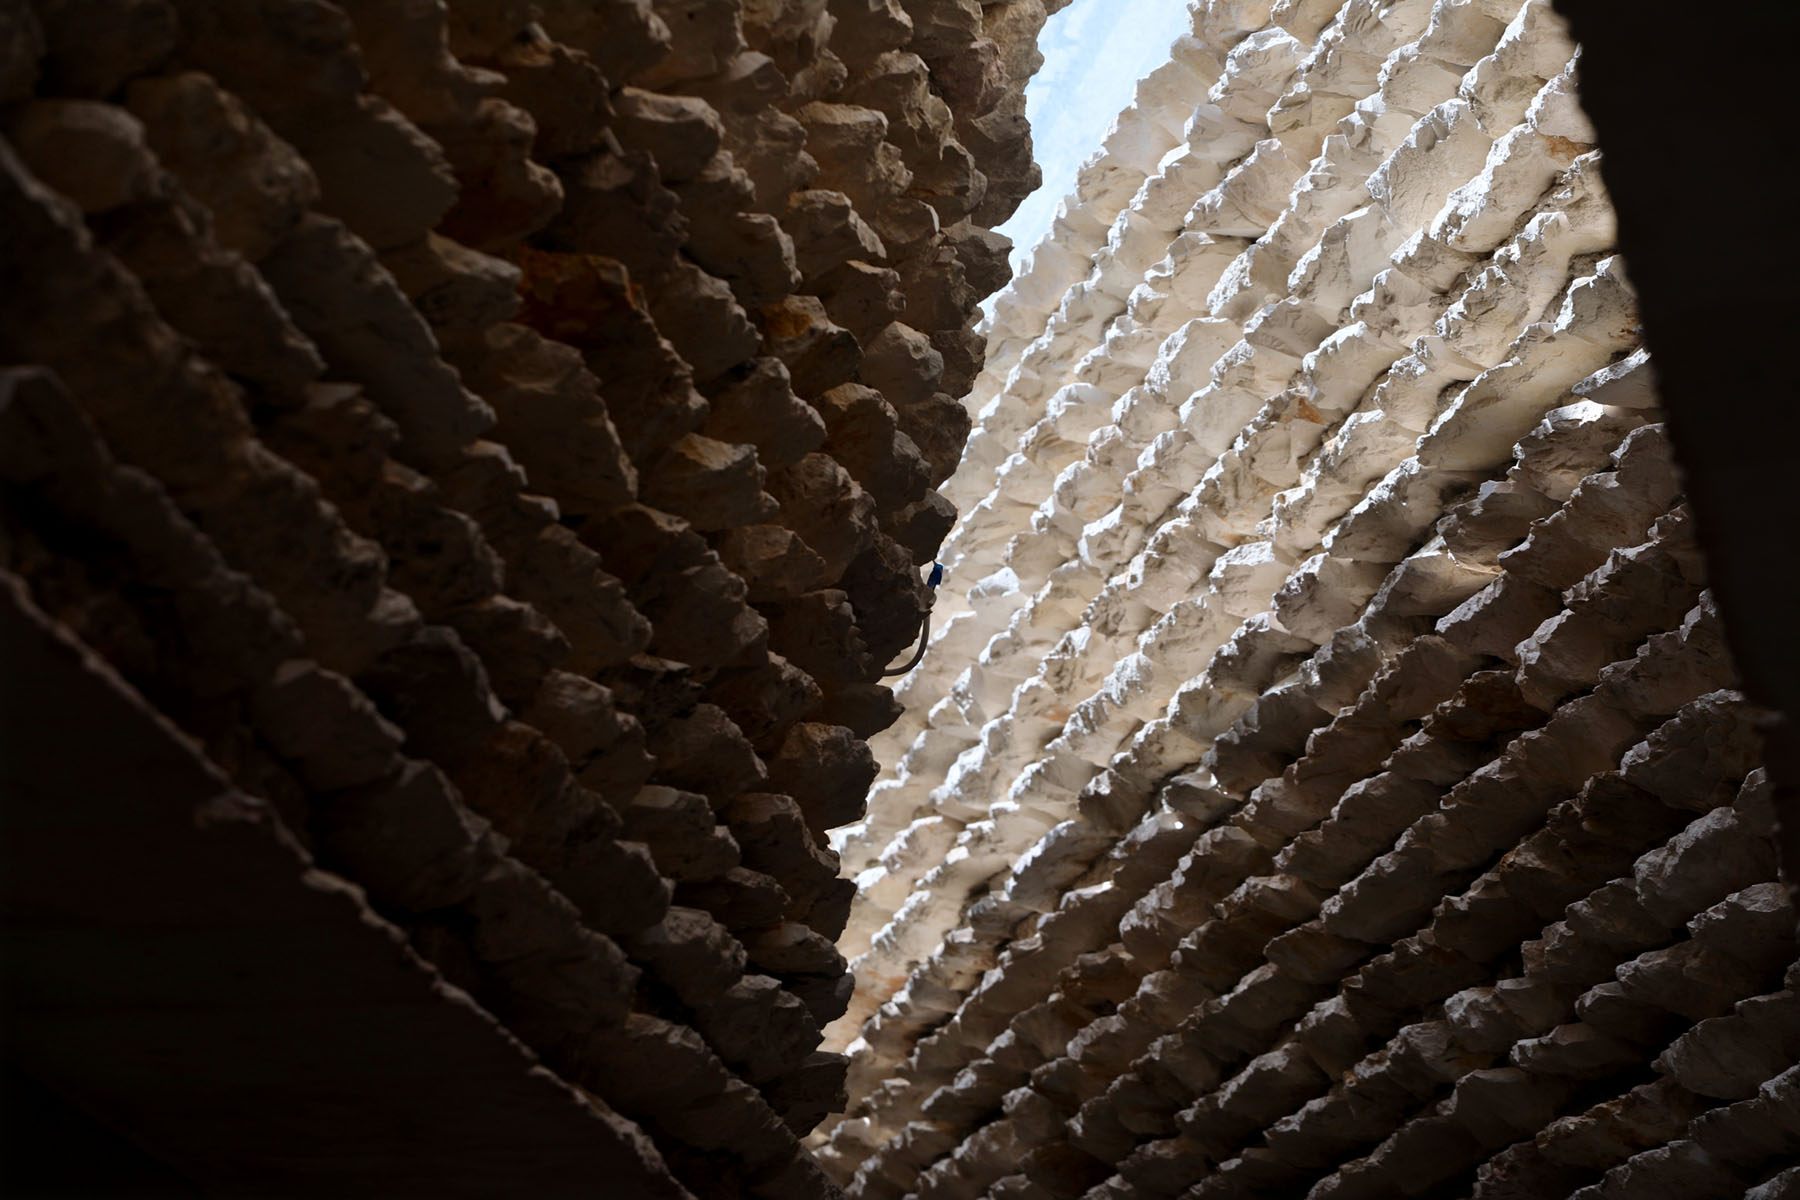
[[504, 436], [1325, 778]]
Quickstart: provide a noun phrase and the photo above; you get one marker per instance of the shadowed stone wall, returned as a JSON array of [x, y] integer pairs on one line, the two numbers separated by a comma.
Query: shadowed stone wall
[[502, 437]]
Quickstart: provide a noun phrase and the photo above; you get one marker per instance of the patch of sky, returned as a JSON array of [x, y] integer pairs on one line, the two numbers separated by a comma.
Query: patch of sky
[[1095, 52]]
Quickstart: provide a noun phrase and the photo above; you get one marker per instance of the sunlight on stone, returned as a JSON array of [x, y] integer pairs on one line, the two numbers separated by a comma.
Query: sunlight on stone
[[549, 648]]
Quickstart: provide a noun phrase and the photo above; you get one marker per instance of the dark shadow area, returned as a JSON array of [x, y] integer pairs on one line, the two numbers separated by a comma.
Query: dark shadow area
[[1697, 156], [52, 1150]]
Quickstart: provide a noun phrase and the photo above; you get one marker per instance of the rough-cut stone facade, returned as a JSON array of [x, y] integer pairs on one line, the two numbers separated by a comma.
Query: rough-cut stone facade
[[464, 467], [1326, 779], [494, 445]]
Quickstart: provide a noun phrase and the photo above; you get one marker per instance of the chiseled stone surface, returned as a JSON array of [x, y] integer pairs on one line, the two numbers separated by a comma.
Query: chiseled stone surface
[[488, 451], [1326, 776], [505, 438]]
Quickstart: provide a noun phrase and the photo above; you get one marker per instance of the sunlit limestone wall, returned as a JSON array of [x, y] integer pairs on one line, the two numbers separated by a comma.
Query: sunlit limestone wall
[[1325, 777], [505, 436]]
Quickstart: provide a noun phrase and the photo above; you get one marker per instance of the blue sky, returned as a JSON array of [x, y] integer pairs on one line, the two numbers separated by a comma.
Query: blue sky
[[1095, 51]]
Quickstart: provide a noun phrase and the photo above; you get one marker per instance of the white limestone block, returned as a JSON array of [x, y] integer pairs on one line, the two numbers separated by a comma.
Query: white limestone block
[[1342, 370], [915, 929], [1378, 128], [1581, 196], [1556, 112], [1202, 710], [1094, 730], [933, 753], [1289, 327], [1380, 27], [1391, 520], [1191, 268], [1465, 31], [1135, 144], [1142, 413], [1110, 374], [1160, 580], [1171, 463], [1244, 577], [1442, 151], [1251, 196], [1184, 363], [1432, 263], [1044, 445], [1300, 516], [1536, 41], [1253, 368], [1085, 491], [1196, 794], [1079, 409], [1600, 308], [1132, 244], [1346, 259], [1398, 308], [1052, 784], [1224, 22], [1050, 267], [1165, 96], [1112, 454], [1413, 79], [1628, 383], [1340, 59], [1058, 858], [1330, 190], [1257, 71], [1131, 346], [1569, 444], [1159, 748], [1069, 589], [987, 685], [961, 715], [1104, 184], [1419, 385], [1218, 140], [1283, 436], [1254, 278], [1022, 385], [1133, 688], [1479, 215], [1431, 582], [1087, 310], [1233, 500], [1510, 292], [1009, 827], [1368, 445], [1304, 115], [1148, 306], [920, 845], [1187, 636], [1478, 429], [1501, 86], [1109, 537], [1324, 594]]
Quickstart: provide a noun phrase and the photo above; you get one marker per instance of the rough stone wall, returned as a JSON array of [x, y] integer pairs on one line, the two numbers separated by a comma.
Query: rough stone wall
[[1326, 777], [503, 436]]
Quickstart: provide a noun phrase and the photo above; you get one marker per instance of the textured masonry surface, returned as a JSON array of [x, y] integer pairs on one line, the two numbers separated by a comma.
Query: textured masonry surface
[[464, 466], [503, 437], [1325, 779]]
